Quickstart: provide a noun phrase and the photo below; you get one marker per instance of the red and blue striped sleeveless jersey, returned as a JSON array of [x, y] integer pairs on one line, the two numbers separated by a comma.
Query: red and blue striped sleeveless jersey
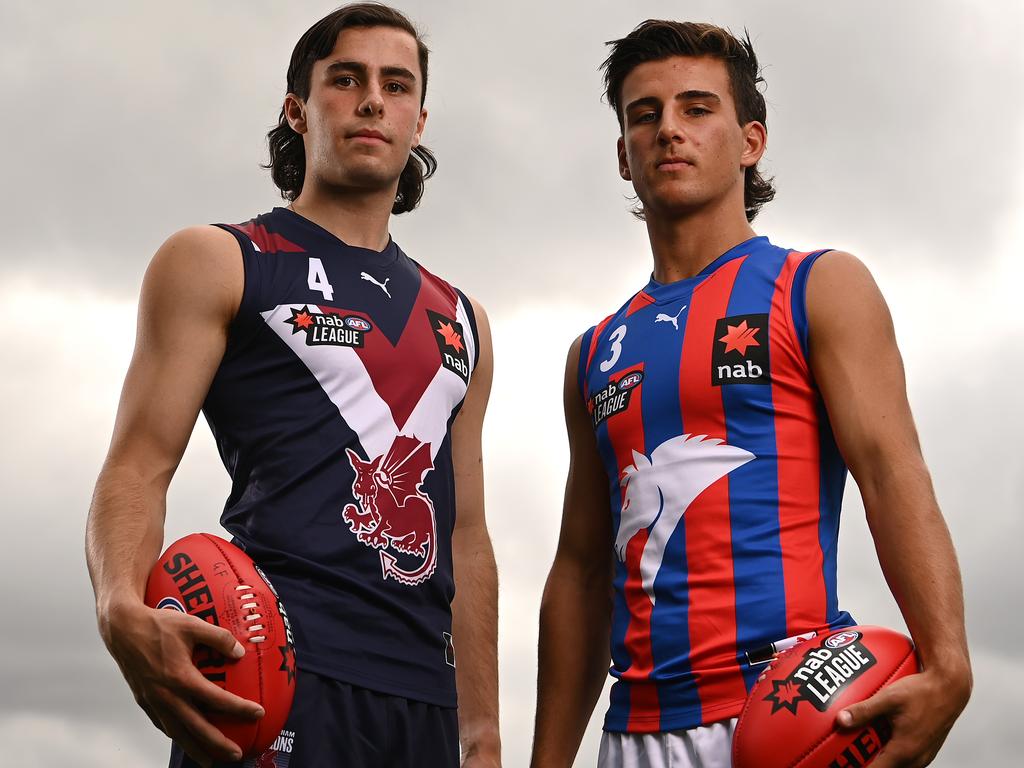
[[725, 483]]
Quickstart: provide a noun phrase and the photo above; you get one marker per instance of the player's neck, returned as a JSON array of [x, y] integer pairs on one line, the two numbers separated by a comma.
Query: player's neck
[[357, 218], [684, 245]]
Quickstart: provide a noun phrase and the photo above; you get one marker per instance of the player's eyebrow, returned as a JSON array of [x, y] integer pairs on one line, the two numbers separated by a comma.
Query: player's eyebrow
[[701, 95], [691, 95], [358, 68]]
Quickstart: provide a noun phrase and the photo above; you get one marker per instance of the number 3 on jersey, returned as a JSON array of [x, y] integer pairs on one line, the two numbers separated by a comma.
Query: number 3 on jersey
[[616, 339], [317, 279]]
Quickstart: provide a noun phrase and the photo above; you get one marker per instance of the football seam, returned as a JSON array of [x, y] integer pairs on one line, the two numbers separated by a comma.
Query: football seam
[[832, 733], [259, 656]]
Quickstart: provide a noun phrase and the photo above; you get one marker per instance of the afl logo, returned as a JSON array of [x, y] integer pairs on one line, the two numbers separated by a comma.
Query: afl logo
[[357, 324], [171, 602], [842, 639], [630, 380]]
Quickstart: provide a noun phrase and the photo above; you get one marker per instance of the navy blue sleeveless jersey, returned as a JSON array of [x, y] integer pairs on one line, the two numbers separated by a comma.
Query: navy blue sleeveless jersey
[[332, 410]]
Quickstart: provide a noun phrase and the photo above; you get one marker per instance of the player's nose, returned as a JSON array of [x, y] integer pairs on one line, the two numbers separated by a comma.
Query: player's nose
[[372, 102], [670, 131]]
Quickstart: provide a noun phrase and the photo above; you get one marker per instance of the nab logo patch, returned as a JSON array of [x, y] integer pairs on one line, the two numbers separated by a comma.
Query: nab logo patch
[[451, 344], [740, 351]]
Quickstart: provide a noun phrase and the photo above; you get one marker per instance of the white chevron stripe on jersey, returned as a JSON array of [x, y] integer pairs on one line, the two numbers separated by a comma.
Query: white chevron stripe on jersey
[[343, 378], [429, 419]]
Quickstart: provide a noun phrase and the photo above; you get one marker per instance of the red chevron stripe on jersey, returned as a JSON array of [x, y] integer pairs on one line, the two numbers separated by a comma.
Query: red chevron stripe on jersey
[[267, 242]]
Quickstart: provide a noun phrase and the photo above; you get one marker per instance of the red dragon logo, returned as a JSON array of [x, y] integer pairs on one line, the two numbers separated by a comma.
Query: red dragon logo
[[393, 511]]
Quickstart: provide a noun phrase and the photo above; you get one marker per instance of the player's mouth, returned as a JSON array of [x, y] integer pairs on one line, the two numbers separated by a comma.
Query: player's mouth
[[673, 163], [369, 136]]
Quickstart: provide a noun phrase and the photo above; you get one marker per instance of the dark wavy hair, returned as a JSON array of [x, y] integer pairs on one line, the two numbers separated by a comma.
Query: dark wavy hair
[[287, 153], [654, 40]]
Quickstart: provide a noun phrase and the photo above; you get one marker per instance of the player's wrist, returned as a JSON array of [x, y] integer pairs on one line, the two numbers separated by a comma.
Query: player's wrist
[[113, 612], [482, 741]]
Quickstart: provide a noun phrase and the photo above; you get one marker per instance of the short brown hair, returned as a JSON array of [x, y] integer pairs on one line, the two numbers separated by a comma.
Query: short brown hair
[[654, 40], [287, 152]]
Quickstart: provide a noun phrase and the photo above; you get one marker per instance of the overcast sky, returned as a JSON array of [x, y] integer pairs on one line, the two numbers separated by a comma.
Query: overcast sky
[[895, 132]]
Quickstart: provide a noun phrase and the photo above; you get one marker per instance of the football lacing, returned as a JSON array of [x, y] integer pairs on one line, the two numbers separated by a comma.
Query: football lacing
[[249, 618]]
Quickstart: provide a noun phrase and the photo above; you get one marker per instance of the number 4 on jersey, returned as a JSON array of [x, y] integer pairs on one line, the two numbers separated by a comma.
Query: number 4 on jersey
[[317, 279]]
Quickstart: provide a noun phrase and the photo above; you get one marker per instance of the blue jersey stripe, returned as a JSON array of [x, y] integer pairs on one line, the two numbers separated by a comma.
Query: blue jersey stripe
[[800, 298], [833, 482]]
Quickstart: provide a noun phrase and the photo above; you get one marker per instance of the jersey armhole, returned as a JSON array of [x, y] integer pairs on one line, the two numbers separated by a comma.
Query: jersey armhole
[[250, 280], [467, 305], [583, 365], [799, 300]]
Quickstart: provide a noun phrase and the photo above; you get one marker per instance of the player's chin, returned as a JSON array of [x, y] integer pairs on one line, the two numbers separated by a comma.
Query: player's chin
[[670, 201], [369, 173]]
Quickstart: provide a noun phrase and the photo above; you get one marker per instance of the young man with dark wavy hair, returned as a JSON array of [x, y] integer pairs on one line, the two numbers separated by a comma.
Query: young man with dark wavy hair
[[711, 421], [346, 387]]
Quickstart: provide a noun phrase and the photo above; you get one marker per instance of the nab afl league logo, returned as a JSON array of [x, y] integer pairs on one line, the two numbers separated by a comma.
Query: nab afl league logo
[[329, 329], [740, 351]]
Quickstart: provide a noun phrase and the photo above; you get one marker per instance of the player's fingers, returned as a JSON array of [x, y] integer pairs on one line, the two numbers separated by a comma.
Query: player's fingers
[[217, 638], [195, 734], [145, 707], [896, 755], [863, 712], [213, 698]]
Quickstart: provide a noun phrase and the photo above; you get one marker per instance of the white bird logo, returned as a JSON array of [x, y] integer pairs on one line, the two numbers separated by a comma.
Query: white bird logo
[[663, 318], [382, 286], [660, 489]]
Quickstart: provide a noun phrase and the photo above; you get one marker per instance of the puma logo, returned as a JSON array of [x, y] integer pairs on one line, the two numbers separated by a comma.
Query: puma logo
[[663, 318], [383, 286]]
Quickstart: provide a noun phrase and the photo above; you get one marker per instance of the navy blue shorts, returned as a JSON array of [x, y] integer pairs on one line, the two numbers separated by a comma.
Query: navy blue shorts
[[336, 724]]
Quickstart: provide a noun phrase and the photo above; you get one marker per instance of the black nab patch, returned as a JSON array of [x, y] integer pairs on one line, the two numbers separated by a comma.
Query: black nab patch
[[329, 329], [822, 675], [451, 344], [739, 354], [614, 398]]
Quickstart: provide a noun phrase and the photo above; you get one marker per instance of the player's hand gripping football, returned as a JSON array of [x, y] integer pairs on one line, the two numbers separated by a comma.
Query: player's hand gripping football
[[921, 707], [154, 649]]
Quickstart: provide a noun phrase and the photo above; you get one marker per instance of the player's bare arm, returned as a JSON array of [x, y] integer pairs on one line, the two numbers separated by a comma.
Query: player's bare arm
[[856, 362], [475, 608], [575, 613], [182, 331]]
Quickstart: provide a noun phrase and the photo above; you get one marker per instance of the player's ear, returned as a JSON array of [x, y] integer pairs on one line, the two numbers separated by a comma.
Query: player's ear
[[295, 112], [620, 148], [755, 141], [419, 128]]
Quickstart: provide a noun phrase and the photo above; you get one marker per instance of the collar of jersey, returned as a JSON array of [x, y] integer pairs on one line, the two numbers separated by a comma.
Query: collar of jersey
[[384, 258], [664, 292]]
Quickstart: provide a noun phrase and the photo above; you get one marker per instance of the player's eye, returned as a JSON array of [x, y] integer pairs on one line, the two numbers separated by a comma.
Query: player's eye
[[395, 87], [646, 117], [345, 81], [698, 111]]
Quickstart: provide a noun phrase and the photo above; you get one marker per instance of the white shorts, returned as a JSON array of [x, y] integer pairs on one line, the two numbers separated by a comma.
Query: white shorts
[[707, 746]]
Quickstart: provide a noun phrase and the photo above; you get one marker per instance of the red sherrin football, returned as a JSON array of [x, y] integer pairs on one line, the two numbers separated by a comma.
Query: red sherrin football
[[788, 720], [207, 577]]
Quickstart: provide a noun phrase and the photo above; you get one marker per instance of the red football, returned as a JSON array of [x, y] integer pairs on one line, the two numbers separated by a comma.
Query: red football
[[788, 720], [207, 577]]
